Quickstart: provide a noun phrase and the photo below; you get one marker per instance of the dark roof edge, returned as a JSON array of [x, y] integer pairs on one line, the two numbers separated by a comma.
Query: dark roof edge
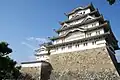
[[107, 33], [33, 62], [87, 29], [100, 17], [87, 22], [40, 54], [95, 11], [83, 8]]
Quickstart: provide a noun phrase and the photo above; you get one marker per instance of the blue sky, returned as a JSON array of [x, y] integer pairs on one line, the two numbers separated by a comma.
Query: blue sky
[[24, 24]]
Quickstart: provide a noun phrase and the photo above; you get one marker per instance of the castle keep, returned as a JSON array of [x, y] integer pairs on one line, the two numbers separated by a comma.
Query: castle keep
[[84, 29], [84, 48]]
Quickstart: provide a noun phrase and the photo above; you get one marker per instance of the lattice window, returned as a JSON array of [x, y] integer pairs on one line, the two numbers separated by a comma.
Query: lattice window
[[97, 32], [69, 46], [77, 45], [63, 47], [57, 49], [89, 34], [94, 42], [85, 44], [86, 26], [93, 24]]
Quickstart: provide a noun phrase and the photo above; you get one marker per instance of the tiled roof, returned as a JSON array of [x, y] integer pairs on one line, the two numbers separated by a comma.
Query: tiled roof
[[83, 39], [79, 17], [90, 29], [81, 8], [83, 23]]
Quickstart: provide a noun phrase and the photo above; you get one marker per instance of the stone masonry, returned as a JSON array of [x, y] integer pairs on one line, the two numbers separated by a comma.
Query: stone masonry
[[35, 72], [93, 64]]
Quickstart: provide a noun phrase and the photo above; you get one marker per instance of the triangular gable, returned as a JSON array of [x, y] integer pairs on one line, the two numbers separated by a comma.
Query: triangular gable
[[87, 18]]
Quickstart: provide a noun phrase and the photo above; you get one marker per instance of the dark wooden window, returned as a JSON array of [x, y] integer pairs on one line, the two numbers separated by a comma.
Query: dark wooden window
[[69, 46], [85, 44], [77, 45], [94, 42]]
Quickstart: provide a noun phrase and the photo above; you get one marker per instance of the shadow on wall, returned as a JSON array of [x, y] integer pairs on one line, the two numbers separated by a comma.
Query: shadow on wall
[[46, 70]]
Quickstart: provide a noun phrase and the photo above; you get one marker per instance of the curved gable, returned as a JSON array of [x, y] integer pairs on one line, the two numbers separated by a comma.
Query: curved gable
[[75, 34], [77, 29]]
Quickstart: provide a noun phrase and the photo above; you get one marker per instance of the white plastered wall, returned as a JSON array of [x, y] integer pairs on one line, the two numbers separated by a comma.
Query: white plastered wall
[[99, 43], [31, 65], [79, 35], [42, 57], [80, 12]]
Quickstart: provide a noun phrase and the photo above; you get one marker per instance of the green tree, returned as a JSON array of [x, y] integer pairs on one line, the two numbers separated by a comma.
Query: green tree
[[111, 1], [8, 68], [47, 46]]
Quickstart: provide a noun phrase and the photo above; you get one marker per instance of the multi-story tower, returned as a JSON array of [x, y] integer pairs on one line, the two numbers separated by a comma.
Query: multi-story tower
[[84, 29], [85, 47], [42, 53], [83, 50]]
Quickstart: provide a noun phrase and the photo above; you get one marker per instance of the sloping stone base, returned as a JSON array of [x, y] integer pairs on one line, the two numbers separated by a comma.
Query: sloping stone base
[[33, 71], [94, 64]]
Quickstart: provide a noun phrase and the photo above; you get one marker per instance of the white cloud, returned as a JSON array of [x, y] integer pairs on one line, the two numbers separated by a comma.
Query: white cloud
[[31, 58], [38, 39], [28, 45], [30, 38], [41, 39], [35, 42]]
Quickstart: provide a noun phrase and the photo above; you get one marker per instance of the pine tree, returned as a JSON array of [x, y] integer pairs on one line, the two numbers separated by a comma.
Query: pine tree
[[8, 68]]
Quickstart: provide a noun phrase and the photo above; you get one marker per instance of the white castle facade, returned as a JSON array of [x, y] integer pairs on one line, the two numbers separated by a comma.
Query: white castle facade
[[84, 29]]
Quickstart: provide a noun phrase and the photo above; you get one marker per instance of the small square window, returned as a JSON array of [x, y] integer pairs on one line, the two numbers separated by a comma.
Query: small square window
[[57, 41], [77, 45], [63, 48], [97, 32], [86, 26], [70, 46], [93, 24], [65, 26], [94, 42], [84, 12], [89, 34], [57, 48], [85, 44], [72, 16]]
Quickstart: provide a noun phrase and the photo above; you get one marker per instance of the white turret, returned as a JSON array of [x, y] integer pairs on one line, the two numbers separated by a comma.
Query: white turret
[[42, 54]]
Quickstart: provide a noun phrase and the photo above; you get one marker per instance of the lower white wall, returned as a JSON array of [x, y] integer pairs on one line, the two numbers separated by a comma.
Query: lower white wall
[[99, 43], [42, 57], [31, 65]]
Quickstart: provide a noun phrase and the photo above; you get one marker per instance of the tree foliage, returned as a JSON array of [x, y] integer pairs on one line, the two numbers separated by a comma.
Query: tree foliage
[[111, 1], [8, 68]]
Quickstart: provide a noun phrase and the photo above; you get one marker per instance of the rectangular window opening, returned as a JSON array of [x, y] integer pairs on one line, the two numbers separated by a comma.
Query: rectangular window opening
[[85, 44], [77, 45], [63, 48], [94, 42], [97, 32], [70, 46]]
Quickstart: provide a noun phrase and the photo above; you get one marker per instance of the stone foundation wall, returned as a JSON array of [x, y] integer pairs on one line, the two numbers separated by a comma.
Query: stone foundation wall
[[33, 71], [94, 64]]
